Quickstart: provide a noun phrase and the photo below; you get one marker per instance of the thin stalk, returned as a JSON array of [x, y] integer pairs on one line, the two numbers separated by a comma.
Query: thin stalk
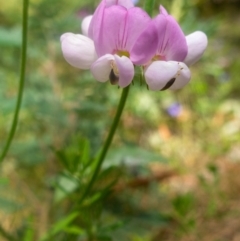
[[21, 81], [108, 141]]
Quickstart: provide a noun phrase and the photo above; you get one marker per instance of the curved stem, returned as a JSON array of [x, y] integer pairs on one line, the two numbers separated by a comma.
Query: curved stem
[[21, 81], [108, 140]]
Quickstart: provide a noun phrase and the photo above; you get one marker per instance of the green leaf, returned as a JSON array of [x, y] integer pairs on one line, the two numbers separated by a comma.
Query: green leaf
[[131, 156], [66, 185], [76, 155], [60, 226], [74, 230], [107, 178]]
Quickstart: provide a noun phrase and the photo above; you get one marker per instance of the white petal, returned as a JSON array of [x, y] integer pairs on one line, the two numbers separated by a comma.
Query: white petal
[[159, 73], [183, 76], [197, 43], [125, 69], [102, 67], [85, 24], [78, 50]]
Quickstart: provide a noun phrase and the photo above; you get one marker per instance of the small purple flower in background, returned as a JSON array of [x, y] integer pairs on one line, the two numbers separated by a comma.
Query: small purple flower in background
[[174, 110]]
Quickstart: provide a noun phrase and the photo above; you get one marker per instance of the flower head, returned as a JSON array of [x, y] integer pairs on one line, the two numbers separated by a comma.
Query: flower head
[[169, 53], [112, 32], [119, 36]]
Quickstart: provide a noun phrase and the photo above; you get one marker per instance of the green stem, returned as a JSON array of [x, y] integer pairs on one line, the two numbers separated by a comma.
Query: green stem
[[21, 81], [108, 141], [149, 6]]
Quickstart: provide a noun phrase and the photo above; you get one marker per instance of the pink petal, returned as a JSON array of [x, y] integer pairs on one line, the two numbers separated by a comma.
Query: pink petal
[[182, 78], [145, 46], [171, 40], [85, 24], [106, 37], [101, 68], [197, 43], [166, 34], [120, 32], [126, 70], [95, 25], [78, 50], [159, 73], [96, 22], [135, 22], [163, 10]]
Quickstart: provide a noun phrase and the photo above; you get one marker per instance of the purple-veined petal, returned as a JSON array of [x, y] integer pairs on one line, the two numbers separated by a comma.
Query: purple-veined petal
[[197, 43], [96, 22], [136, 21], [78, 50], [119, 33], [105, 38], [159, 73], [101, 68], [172, 43], [183, 76], [125, 69], [163, 11], [85, 24], [145, 46]]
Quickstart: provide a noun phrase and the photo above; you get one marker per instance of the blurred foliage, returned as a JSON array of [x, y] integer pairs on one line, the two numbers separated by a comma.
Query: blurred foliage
[[166, 177]]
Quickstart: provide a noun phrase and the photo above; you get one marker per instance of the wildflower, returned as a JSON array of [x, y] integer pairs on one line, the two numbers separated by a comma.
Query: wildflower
[[170, 53], [111, 34], [114, 30]]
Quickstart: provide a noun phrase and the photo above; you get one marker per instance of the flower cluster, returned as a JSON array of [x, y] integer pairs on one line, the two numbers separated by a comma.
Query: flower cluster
[[119, 36]]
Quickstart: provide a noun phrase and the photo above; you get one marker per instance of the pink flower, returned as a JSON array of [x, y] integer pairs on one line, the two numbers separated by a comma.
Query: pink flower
[[112, 32], [169, 52], [119, 36]]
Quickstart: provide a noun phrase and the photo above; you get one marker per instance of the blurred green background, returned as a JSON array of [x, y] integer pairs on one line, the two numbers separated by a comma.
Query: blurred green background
[[180, 151]]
